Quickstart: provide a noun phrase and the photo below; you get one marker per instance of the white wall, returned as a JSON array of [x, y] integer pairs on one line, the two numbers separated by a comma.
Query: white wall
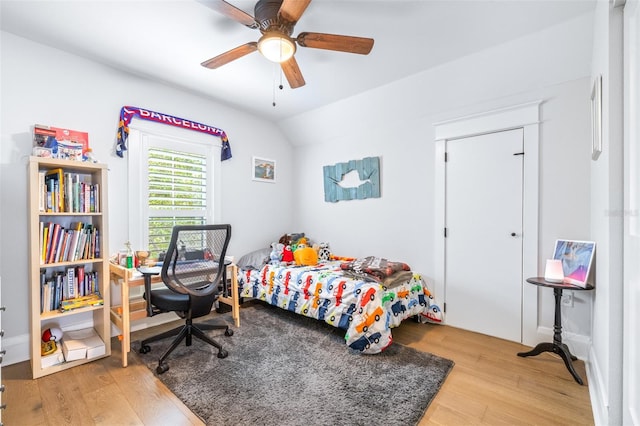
[[47, 86], [605, 363], [395, 122]]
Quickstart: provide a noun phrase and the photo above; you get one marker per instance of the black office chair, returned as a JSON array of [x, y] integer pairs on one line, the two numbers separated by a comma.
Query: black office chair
[[192, 270]]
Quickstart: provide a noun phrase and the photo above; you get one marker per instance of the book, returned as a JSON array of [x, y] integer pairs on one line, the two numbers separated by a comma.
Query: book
[[72, 137], [68, 193], [80, 279], [41, 133], [54, 242], [93, 299], [60, 240], [70, 285], [48, 233], [55, 180], [41, 235], [42, 191]]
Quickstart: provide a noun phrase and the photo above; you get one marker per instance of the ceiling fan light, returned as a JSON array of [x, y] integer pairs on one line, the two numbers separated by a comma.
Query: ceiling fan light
[[276, 47]]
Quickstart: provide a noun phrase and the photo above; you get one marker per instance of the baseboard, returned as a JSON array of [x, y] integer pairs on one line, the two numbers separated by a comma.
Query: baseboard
[[17, 347], [581, 346], [597, 391]]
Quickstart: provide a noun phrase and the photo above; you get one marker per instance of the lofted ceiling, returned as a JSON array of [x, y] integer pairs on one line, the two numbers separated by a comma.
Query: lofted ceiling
[[167, 40]]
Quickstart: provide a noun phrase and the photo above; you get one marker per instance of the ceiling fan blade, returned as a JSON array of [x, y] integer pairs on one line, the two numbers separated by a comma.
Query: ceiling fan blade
[[292, 10], [292, 72], [231, 11], [231, 55], [340, 43]]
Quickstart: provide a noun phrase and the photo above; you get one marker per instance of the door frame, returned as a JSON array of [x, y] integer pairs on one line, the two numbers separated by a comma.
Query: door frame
[[631, 241], [527, 117]]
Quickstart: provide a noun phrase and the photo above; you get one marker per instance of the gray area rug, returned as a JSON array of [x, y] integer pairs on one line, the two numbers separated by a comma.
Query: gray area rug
[[286, 369]]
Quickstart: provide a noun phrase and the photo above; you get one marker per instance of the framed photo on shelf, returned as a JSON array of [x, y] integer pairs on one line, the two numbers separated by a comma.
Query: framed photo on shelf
[[577, 258], [596, 118], [263, 170]]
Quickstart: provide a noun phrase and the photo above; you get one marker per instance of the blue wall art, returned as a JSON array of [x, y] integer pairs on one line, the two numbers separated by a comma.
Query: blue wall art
[[353, 180]]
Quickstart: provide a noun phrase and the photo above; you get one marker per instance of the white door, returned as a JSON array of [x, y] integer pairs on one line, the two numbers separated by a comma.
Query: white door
[[483, 244]]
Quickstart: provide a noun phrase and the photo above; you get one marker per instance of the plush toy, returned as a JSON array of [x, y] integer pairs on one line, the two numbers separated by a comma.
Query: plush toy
[[342, 258], [323, 252], [285, 240], [276, 253], [299, 243], [288, 239], [287, 254], [305, 255]]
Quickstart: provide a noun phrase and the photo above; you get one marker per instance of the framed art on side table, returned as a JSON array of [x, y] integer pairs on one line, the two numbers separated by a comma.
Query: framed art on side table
[[263, 170], [577, 259]]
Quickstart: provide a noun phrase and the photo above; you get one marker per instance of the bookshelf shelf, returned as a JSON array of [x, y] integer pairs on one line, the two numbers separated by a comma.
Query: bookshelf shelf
[[43, 214], [65, 252], [77, 262], [57, 314]]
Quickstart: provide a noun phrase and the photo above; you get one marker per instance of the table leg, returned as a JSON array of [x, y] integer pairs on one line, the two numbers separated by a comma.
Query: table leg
[[557, 346], [126, 322], [235, 305]]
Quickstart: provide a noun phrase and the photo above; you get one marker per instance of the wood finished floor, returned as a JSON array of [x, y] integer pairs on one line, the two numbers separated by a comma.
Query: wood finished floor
[[489, 385]]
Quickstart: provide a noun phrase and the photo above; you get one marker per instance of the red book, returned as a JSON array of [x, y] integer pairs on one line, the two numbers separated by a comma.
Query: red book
[[80, 278]]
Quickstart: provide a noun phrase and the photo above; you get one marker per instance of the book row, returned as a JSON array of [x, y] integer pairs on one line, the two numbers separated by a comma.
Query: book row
[[72, 285], [67, 192], [76, 242]]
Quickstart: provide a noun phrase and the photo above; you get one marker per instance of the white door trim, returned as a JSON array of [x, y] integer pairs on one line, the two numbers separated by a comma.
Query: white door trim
[[631, 271], [527, 117]]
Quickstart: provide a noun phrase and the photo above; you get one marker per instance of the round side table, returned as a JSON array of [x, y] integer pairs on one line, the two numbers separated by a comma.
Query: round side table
[[557, 346]]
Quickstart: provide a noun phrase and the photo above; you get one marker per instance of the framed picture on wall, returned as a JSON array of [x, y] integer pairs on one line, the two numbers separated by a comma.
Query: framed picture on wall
[[263, 170], [596, 118], [576, 258]]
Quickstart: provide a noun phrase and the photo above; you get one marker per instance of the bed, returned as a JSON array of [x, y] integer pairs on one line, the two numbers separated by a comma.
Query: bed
[[365, 307]]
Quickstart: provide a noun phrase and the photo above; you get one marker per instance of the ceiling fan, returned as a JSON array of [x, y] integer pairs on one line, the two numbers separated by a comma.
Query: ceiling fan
[[275, 19]]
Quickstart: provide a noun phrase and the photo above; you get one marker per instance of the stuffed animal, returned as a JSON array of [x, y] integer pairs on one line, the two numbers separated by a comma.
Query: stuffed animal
[[276, 253], [287, 254], [285, 240], [288, 239], [299, 243], [306, 256], [323, 252]]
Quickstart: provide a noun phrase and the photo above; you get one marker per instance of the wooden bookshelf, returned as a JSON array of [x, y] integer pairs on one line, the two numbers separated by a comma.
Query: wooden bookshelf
[[93, 176]]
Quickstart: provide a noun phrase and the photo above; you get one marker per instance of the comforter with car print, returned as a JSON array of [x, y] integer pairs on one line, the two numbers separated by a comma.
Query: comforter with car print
[[367, 310]]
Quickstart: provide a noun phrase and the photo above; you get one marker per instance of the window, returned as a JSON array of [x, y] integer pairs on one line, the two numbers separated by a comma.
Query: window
[[177, 195], [172, 178]]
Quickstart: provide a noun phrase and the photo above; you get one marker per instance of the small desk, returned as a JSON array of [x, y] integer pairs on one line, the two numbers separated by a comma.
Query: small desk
[[135, 309], [557, 346]]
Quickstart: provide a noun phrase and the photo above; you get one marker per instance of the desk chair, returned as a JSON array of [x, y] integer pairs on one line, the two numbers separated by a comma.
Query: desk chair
[[192, 270]]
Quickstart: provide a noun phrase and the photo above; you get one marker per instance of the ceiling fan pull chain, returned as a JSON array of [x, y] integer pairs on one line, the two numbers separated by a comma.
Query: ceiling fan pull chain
[[274, 84]]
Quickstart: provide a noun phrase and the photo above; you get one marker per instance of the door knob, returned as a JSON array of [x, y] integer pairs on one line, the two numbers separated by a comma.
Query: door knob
[[513, 234]]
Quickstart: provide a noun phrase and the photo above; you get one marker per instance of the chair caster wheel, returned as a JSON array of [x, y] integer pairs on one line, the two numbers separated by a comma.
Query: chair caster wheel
[[228, 332], [162, 368], [144, 349], [223, 354]]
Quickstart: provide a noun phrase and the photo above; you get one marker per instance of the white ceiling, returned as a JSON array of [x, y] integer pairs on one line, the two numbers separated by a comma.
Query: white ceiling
[[167, 40]]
